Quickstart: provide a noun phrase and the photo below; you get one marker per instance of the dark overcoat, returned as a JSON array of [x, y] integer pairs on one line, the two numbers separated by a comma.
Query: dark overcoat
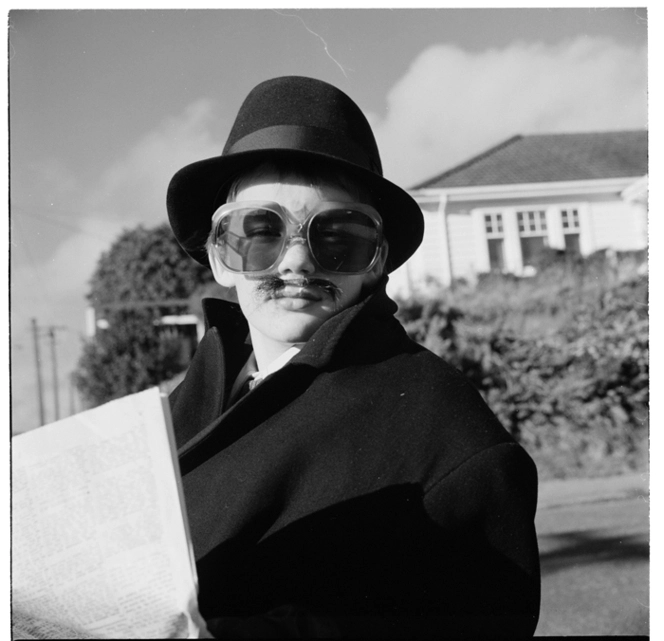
[[365, 489]]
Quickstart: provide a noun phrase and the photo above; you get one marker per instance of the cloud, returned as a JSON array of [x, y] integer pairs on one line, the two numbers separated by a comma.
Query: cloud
[[452, 103], [134, 189], [128, 193]]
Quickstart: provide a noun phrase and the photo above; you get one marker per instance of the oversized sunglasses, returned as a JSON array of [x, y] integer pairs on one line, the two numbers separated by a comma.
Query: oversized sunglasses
[[252, 237]]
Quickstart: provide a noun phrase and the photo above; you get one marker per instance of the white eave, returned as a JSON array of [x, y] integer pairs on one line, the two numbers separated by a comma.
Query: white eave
[[637, 191], [529, 190]]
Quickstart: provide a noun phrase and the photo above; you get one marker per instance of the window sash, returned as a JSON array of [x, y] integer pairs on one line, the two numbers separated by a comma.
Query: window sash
[[493, 225], [570, 220], [532, 222]]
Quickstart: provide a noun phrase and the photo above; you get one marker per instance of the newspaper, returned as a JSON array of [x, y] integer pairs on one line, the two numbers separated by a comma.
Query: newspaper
[[100, 541]]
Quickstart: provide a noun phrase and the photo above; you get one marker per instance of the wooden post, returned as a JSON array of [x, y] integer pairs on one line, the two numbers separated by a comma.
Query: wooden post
[[56, 395], [35, 336]]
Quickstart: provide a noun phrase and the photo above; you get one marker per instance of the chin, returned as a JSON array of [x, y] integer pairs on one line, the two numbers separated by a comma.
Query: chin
[[295, 331], [299, 335]]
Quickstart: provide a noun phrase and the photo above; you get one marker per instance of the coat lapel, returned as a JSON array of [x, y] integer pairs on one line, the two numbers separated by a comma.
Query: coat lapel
[[257, 407], [199, 399]]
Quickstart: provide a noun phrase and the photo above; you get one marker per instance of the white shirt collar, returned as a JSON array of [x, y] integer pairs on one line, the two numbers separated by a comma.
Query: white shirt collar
[[249, 371], [277, 363]]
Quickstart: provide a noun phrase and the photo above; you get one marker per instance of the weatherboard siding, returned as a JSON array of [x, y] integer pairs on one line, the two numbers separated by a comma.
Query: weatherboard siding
[[462, 235], [618, 225], [433, 251]]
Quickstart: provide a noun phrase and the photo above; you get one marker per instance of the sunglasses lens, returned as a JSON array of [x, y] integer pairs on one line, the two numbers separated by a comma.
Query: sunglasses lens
[[250, 240], [344, 240]]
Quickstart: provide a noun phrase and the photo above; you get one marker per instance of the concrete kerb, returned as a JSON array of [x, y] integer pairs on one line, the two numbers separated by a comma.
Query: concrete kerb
[[557, 492]]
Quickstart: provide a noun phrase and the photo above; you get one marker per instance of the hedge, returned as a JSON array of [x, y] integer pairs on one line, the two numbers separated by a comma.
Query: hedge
[[562, 359]]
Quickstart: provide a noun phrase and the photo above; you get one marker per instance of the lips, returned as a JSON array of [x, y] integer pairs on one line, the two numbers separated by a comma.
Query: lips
[[306, 292], [297, 289]]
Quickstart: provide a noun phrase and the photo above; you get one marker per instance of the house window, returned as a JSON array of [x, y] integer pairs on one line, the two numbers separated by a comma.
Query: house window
[[570, 219], [571, 230], [532, 234], [532, 223], [493, 226]]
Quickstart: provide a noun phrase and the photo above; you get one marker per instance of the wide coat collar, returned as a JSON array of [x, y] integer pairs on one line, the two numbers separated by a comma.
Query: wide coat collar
[[362, 333]]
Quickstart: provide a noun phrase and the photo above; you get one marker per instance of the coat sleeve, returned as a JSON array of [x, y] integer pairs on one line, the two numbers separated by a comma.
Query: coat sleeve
[[488, 557]]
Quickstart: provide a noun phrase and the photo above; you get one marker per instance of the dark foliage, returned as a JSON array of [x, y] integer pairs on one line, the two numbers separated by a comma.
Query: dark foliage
[[145, 265], [563, 360], [135, 352]]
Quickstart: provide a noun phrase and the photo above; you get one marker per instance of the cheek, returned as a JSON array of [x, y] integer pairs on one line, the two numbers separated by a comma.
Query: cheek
[[246, 295], [351, 288]]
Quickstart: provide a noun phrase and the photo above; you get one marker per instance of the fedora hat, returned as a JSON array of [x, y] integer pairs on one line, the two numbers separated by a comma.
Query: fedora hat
[[293, 117]]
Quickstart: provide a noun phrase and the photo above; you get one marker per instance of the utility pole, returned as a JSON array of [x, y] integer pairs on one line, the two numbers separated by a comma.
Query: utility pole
[[56, 395], [72, 397], [35, 336]]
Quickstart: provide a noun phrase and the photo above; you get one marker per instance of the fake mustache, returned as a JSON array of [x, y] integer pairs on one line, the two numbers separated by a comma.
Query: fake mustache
[[273, 284]]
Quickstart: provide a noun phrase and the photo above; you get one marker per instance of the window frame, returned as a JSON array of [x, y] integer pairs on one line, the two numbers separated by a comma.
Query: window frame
[[541, 225]]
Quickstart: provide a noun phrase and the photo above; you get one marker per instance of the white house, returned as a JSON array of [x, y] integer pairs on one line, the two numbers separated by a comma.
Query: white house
[[574, 192]]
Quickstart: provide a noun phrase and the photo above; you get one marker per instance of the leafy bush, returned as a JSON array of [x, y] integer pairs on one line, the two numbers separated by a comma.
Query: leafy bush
[[145, 265], [129, 357], [561, 359], [136, 282]]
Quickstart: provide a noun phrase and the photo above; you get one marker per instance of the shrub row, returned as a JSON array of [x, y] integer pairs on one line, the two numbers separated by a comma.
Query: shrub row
[[572, 387]]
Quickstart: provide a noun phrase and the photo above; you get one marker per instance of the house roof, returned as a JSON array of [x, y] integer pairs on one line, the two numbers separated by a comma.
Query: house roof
[[551, 158]]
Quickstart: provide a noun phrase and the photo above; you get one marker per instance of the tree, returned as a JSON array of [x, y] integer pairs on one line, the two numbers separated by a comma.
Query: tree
[[145, 265], [144, 275]]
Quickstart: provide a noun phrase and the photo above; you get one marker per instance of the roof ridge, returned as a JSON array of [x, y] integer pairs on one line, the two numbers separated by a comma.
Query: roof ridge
[[587, 132], [544, 157], [470, 161]]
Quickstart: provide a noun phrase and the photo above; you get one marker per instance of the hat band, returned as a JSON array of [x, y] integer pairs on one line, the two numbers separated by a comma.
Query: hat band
[[304, 138]]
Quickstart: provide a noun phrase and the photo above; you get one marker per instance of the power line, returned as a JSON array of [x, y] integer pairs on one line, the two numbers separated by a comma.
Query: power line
[[25, 247], [142, 304], [59, 223]]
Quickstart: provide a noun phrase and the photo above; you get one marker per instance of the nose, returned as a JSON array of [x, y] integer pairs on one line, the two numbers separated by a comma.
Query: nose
[[297, 259]]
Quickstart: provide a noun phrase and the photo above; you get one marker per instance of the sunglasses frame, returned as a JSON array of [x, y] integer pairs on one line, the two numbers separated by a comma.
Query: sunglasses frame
[[302, 227]]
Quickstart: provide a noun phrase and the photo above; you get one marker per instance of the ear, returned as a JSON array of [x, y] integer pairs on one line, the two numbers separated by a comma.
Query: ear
[[220, 273]]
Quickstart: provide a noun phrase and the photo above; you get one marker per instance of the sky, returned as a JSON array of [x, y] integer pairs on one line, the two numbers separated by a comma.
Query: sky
[[105, 106]]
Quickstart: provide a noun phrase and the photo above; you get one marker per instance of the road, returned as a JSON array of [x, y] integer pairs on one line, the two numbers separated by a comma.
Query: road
[[594, 549]]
